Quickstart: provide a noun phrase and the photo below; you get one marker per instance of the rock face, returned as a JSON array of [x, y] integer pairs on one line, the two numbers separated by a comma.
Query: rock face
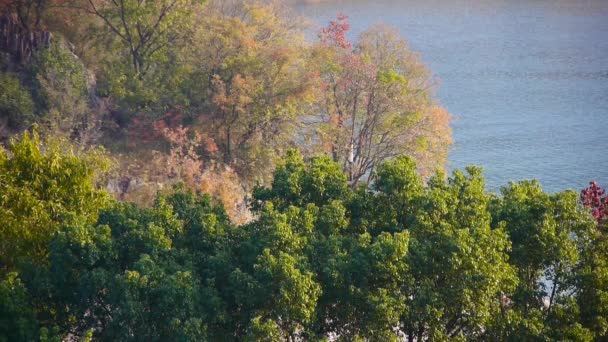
[[120, 187], [20, 41]]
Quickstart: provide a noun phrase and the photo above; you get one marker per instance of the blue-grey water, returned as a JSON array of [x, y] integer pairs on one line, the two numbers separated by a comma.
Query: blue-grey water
[[526, 80]]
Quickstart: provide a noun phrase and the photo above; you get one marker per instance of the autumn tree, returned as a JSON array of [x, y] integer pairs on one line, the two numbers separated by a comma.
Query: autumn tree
[[592, 275], [376, 102], [253, 85], [595, 198]]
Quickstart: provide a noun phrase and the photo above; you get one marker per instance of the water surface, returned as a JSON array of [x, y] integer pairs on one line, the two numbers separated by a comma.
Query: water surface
[[526, 81]]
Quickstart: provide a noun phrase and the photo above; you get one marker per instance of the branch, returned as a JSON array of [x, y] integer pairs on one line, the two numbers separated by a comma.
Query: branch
[[124, 24], [106, 20], [553, 291], [163, 13]]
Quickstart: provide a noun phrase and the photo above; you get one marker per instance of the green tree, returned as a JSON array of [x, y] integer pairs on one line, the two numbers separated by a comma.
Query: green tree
[[592, 286], [60, 80], [289, 293], [458, 262], [42, 187], [17, 317], [119, 277], [548, 234], [141, 43], [296, 184], [443, 260], [146, 272], [423, 261], [145, 30]]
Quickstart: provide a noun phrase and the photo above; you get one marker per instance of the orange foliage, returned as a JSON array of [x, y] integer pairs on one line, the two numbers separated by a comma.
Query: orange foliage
[[375, 102], [335, 33], [437, 133], [225, 185], [146, 130], [141, 177]]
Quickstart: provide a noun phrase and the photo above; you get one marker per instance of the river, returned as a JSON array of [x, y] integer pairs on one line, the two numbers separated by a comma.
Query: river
[[526, 81]]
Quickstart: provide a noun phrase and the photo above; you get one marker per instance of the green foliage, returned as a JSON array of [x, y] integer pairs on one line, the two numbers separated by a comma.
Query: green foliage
[[290, 292], [549, 234], [591, 280], [143, 69], [16, 104], [150, 94], [42, 187], [59, 65], [297, 184], [436, 264], [17, 317], [62, 99], [266, 331], [438, 261], [127, 261]]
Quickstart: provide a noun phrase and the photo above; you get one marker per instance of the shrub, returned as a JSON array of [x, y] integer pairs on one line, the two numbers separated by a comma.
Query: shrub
[[60, 80], [16, 105]]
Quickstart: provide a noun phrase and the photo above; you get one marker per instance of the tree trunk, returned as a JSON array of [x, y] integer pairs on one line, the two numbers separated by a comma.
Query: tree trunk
[[420, 332], [228, 149]]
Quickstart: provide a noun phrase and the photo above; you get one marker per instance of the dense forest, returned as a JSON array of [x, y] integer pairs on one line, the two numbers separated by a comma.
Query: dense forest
[[192, 171]]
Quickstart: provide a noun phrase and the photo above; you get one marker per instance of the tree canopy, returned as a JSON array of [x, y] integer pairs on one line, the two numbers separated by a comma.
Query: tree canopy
[[401, 260], [41, 187]]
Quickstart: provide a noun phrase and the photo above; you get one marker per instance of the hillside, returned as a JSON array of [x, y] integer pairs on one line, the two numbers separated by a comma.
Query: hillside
[[192, 171]]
